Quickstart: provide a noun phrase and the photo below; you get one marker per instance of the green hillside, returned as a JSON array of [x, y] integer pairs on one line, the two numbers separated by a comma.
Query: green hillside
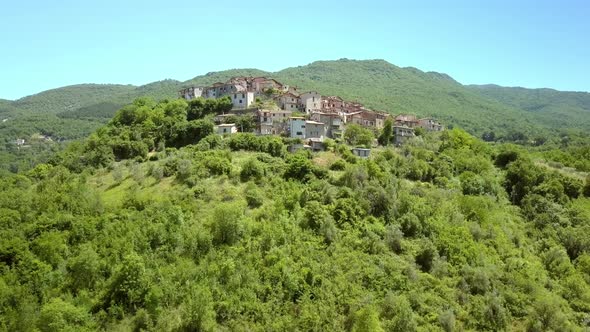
[[376, 83], [74, 112], [7, 108], [550, 107], [212, 233], [384, 86], [65, 114], [501, 114], [73, 97]]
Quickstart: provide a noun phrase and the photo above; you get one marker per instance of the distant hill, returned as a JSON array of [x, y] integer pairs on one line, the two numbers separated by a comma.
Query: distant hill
[[552, 108], [376, 83], [75, 111], [74, 97], [383, 86], [7, 108]]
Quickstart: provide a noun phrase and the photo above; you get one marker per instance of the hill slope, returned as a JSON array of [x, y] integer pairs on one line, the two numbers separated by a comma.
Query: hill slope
[[74, 97], [551, 107], [376, 83], [236, 234], [7, 108], [384, 86]]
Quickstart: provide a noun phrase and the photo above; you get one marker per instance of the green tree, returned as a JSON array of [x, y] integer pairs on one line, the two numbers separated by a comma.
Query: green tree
[[197, 310], [398, 314], [244, 123], [387, 133], [84, 269], [546, 315], [367, 319], [356, 135], [226, 224], [58, 315], [252, 169], [129, 285], [521, 177]]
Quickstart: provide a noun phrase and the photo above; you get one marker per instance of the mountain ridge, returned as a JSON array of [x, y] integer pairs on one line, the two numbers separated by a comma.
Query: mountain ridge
[[376, 83]]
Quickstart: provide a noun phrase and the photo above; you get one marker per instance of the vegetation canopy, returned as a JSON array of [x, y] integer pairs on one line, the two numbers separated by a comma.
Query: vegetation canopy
[[155, 223]]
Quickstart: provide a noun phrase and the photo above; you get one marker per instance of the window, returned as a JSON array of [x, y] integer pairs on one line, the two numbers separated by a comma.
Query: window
[[240, 101], [243, 96]]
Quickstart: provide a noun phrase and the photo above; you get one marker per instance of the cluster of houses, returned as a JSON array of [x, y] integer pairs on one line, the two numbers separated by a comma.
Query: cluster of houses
[[308, 115]]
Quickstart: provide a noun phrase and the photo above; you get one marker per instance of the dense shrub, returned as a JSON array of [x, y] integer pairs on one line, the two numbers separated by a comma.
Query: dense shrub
[[252, 169]]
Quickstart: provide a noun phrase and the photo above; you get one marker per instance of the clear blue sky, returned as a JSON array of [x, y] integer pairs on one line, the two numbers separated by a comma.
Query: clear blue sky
[[48, 44]]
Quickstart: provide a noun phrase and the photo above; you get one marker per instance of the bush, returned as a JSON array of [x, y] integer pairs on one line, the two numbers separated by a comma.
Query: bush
[[184, 169], [58, 315], [393, 238], [547, 316], [252, 169], [338, 165], [157, 172], [477, 279], [505, 157], [367, 319], [299, 167], [128, 287], [226, 225], [426, 256], [410, 224], [217, 165], [254, 196], [472, 184], [197, 310], [347, 210], [446, 319], [129, 149], [397, 312]]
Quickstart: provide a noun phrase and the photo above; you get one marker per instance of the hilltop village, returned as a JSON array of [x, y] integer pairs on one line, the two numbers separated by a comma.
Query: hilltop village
[[308, 116]]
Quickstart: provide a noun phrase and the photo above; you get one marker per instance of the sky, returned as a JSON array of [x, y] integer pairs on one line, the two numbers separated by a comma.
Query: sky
[[49, 44]]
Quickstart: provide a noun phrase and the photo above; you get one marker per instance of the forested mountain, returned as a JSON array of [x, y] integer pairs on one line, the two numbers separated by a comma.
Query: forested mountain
[[376, 83], [7, 108], [65, 114], [73, 97], [154, 223], [497, 114], [553, 108], [384, 86]]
